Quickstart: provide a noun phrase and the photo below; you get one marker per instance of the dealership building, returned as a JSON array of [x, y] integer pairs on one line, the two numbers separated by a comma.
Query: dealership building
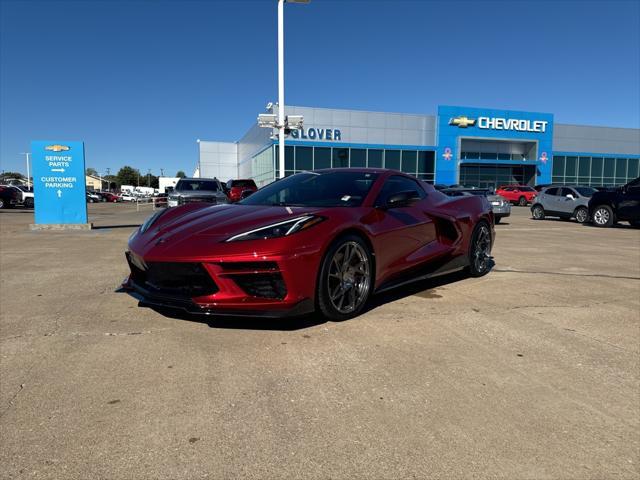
[[459, 145]]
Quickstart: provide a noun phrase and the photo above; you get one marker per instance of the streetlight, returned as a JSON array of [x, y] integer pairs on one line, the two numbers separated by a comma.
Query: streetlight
[[26, 154], [281, 118]]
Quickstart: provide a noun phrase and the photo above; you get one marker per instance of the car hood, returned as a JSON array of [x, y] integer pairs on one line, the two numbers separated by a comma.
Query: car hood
[[194, 222]]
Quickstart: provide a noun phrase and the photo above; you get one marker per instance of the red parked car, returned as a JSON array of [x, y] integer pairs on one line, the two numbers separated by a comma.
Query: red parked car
[[324, 240], [518, 194], [111, 197], [235, 189]]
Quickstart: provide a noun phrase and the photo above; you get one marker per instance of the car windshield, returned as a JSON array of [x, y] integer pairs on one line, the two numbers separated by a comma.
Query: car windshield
[[196, 185], [585, 191], [311, 189]]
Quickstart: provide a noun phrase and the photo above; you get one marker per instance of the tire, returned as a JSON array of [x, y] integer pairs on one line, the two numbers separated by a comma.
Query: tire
[[343, 287], [522, 201], [603, 216], [581, 215], [497, 220], [2, 204], [537, 212], [635, 223], [28, 202], [480, 261]]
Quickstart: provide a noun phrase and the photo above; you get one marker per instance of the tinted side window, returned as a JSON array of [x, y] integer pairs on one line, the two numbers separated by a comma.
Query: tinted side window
[[397, 184], [551, 191], [567, 191]]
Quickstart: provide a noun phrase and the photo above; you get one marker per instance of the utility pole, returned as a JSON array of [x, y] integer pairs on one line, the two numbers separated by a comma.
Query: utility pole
[[26, 154], [149, 178], [162, 172]]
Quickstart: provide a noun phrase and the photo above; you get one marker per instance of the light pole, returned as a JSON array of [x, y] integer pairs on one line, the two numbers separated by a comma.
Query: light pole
[[26, 154], [281, 117]]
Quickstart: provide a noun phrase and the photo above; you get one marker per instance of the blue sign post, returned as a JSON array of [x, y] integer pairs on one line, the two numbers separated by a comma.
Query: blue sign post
[[59, 185]]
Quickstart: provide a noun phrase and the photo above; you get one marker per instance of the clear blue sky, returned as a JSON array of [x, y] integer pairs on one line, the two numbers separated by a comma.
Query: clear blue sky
[[140, 81]]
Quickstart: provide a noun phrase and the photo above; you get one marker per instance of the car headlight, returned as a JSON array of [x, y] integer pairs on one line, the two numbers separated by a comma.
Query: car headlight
[[150, 221], [280, 229]]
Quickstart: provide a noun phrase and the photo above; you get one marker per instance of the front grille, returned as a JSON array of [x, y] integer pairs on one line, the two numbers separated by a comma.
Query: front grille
[[262, 285], [248, 266], [178, 279], [192, 199]]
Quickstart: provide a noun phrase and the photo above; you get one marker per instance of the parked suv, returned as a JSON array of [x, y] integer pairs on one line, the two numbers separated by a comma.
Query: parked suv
[[235, 189], [609, 206], [189, 190], [563, 202], [518, 194]]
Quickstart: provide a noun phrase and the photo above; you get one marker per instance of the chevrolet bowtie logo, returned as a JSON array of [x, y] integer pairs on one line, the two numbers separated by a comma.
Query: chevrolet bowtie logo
[[462, 122], [57, 148]]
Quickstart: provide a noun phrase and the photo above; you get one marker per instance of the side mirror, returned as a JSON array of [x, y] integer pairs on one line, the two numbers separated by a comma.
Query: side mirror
[[401, 199], [569, 196], [246, 193]]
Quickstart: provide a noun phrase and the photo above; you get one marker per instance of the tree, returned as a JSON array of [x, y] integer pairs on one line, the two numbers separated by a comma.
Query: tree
[[6, 176], [128, 176], [91, 171], [181, 174]]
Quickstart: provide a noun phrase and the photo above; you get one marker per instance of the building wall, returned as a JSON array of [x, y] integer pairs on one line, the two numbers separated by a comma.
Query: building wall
[[605, 140], [218, 159]]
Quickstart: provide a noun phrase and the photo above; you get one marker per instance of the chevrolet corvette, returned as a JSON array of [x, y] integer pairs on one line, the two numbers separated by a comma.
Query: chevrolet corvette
[[321, 241]]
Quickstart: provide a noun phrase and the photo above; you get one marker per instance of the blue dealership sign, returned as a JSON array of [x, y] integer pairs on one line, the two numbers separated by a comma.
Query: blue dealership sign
[[59, 182], [457, 124]]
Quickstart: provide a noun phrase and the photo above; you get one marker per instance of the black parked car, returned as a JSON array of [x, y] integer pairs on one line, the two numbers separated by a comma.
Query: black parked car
[[622, 204], [9, 196]]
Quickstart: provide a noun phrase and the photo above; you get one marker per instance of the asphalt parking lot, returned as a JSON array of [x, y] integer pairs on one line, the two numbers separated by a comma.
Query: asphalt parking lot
[[529, 372]]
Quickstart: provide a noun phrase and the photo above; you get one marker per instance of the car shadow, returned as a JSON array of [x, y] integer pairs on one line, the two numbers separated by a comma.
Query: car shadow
[[108, 227], [422, 288]]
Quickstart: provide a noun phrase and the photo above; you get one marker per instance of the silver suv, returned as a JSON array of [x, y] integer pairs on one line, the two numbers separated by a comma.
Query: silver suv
[[563, 202]]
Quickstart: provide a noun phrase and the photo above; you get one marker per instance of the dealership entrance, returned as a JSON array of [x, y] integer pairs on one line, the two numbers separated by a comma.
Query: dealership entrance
[[485, 175]]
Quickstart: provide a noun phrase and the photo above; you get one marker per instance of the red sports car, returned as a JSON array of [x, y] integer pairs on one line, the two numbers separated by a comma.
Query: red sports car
[[324, 240], [518, 194]]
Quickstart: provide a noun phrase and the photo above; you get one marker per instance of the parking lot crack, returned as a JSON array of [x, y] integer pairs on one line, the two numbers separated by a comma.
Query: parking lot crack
[[597, 275]]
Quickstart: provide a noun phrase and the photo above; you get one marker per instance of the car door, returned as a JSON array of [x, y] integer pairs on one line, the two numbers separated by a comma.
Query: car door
[[629, 202], [567, 201], [401, 235], [548, 199]]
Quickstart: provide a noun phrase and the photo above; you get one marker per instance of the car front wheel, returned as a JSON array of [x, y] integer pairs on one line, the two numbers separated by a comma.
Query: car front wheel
[[537, 212], [346, 278], [522, 201], [28, 202], [603, 216]]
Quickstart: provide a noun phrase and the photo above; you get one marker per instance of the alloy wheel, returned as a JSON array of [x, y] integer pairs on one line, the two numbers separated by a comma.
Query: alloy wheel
[[601, 216], [481, 255], [349, 278], [522, 202], [581, 215]]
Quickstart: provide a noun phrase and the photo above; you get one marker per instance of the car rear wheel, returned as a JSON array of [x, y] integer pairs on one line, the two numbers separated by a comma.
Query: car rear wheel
[[603, 216], [28, 202], [582, 214], [522, 201], [497, 220], [537, 212], [345, 279], [480, 261], [2, 204]]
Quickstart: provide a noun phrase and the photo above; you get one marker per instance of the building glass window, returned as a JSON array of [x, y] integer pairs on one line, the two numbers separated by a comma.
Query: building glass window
[[321, 158], [504, 156], [609, 167], [488, 156], [426, 162], [358, 157], [596, 167], [621, 168], [570, 167], [392, 159], [632, 169], [304, 158], [584, 166], [409, 161], [289, 155], [340, 157], [558, 166], [374, 158]]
